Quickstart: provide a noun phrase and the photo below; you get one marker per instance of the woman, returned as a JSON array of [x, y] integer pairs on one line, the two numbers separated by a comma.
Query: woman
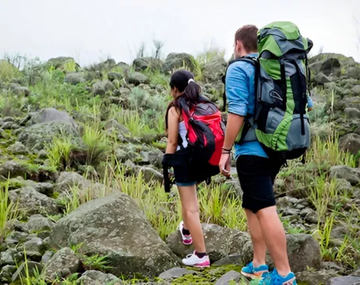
[[183, 86]]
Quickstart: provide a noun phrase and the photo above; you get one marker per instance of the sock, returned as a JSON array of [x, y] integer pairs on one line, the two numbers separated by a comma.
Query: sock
[[200, 254], [185, 232]]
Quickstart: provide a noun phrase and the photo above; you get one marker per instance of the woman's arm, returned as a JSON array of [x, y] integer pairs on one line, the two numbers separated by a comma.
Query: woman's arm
[[173, 130]]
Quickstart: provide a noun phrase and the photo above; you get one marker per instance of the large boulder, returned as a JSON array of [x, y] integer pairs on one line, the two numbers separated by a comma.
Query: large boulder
[[137, 78], [345, 172], [353, 72], [221, 242], [115, 227], [178, 60], [74, 78], [63, 63], [93, 277], [144, 63], [214, 69], [345, 280], [350, 143], [50, 115], [102, 87]]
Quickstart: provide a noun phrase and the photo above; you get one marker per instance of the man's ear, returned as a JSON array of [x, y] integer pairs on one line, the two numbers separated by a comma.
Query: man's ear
[[239, 47]]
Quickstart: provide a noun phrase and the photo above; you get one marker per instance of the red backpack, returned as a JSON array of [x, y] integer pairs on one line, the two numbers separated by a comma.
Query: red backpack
[[205, 136]]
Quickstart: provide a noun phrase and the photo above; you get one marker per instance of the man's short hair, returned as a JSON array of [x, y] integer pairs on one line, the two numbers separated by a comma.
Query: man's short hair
[[248, 36]]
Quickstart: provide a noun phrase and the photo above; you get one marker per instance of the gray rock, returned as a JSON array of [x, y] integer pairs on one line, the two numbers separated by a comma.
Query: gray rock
[[149, 174], [74, 78], [19, 90], [352, 113], [230, 259], [321, 78], [350, 143], [343, 186], [93, 277], [7, 257], [214, 69], [13, 169], [102, 87], [347, 280], [18, 148], [144, 63], [29, 267], [47, 257], [113, 125], [357, 272], [356, 90], [50, 115], [115, 226], [312, 217], [36, 136], [175, 273], [178, 60], [6, 273], [38, 223], [115, 76], [345, 172], [153, 157], [229, 277], [34, 245], [353, 72], [32, 202], [138, 78], [63, 263], [16, 237], [61, 62], [315, 278]]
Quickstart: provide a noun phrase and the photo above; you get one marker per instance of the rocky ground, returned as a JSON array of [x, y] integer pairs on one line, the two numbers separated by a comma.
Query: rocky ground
[[80, 176]]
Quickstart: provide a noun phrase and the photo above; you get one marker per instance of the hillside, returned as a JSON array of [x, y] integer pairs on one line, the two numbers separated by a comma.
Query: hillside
[[82, 200]]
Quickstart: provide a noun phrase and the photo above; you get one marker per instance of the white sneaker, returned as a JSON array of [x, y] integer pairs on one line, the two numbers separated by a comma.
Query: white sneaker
[[186, 239], [194, 260]]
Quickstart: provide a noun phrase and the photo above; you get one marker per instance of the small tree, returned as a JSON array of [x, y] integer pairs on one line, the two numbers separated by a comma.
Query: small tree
[[141, 50], [158, 46]]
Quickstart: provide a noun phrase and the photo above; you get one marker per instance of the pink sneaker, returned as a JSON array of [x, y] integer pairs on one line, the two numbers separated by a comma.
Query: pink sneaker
[[194, 260], [187, 239]]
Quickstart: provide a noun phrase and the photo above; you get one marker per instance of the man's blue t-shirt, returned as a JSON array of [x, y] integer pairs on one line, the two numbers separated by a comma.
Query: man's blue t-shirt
[[240, 93]]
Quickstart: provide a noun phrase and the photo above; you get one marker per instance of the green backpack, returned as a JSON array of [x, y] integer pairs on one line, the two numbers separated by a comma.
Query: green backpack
[[280, 122]]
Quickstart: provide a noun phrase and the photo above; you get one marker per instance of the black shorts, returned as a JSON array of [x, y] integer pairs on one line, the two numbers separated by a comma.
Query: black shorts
[[257, 175]]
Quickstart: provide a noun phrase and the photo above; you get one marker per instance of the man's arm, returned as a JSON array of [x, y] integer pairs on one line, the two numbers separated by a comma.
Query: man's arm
[[237, 93]]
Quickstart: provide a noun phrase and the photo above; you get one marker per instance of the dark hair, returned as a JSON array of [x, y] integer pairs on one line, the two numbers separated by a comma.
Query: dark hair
[[181, 79], [248, 36]]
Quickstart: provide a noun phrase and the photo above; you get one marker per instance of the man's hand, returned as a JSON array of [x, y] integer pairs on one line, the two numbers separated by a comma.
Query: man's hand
[[224, 164]]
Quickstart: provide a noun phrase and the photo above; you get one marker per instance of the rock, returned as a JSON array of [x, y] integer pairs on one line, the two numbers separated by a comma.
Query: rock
[[315, 278], [18, 148], [343, 186], [350, 143], [93, 277], [138, 78], [175, 273], [13, 169], [228, 278], [34, 245], [353, 72], [214, 69], [38, 223], [16, 237], [116, 227], [352, 113], [115, 76], [357, 272], [178, 60], [36, 136], [149, 174], [356, 90], [75, 78], [47, 257], [230, 259], [102, 87], [321, 78], [153, 157], [312, 217], [19, 90], [7, 273], [62, 264], [345, 172], [147, 63], [113, 125], [29, 267], [7, 257], [62, 63], [347, 280], [32, 202], [233, 242]]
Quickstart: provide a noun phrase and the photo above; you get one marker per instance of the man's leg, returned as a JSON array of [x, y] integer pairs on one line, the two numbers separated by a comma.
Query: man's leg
[[257, 238], [275, 239]]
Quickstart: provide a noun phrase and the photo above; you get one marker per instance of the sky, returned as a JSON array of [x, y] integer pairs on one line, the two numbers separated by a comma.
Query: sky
[[93, 30]]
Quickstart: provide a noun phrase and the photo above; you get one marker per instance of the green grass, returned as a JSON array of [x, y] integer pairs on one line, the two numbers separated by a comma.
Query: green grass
[[8, 210]]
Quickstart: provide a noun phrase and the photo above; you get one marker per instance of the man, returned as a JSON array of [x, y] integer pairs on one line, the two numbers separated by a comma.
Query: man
[[256, 171]]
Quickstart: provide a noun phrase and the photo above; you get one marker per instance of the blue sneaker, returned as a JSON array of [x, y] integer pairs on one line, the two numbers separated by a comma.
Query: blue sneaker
[[254, 272], [274, 278]]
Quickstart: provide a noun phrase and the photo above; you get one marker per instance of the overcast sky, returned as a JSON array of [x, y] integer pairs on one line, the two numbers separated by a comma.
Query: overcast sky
[[92, 30]]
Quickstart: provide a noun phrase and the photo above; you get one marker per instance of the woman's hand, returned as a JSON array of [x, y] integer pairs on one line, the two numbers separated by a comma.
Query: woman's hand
[[224, 164]]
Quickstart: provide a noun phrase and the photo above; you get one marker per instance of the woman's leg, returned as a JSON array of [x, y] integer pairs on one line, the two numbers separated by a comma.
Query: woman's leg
[[190, 210]]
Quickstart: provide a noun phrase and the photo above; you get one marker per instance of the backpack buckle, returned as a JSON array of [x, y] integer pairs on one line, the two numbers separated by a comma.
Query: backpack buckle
[[191, 119]]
